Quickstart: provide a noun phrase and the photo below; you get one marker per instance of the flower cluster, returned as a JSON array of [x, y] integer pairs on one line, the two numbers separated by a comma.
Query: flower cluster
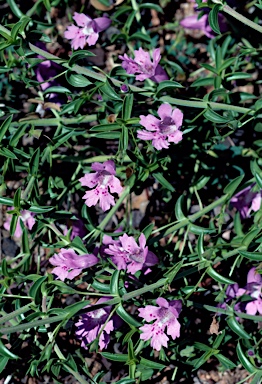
[[253, 289], [102, 181], [94, 324], [164, 316], [163, 131], [86, 31], [143, 65], [126, 254], [26, 216], [68, 264]]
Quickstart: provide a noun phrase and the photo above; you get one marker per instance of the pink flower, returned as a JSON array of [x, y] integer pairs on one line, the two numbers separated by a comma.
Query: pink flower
[[143, 65], [26, 216], [86, 31], [164, 131], [69, 264], [254, 286], [92, 323], [246, 201], [126, 254], [164, 316], [102, 180]]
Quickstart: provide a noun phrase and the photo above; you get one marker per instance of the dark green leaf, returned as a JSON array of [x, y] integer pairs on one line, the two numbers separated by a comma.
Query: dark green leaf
[[244, 360], [213, 18], [254, 256], [4, 127], [115, 356], [162, 180], [232, 186]]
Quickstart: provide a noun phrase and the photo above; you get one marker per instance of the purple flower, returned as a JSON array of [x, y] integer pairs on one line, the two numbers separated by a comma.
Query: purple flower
[[102, 180], [45, 71], [26, 216], [143, 65], [86, 31], [94, 324], [69, 264], [126, 254], [246, 201], [164, 316], [78, 229], [164, 131], [193, 22], [254, 288]]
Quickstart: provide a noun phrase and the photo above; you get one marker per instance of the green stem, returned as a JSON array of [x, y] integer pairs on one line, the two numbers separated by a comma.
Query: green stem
[[104, 222], [190, 219], [55, 121], [241, 18], [18, 312], [205, 104]]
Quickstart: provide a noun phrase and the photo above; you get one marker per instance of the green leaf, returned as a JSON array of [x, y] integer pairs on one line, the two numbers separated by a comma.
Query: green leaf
[[25, 242], [209, 68], [7, 201], [179, 208], [217, 277], [57, 89], [232, 186], [115, 356], [17, 134], [5, 352], [156, 7], [228, 364], [203, 82], [107, 90], [126, 381], [114, 283], [105, 127], [237, 328], [244, 360], [152, 364], [140, 36], [107, 135], [167, 84], [77, 80], [101, 287], [249, 237], [127, 106], [34, 162], [215, 117], [7, 153], [126, 317], [238, 75], [77, 243], [79, 55], [254, 256], [39, 209], [4, 127], [259, 180], [213, 18], [162, 180], [35, 290], [3, 363]]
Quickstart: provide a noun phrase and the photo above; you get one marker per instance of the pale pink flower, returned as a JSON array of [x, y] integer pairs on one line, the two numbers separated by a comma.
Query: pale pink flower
[[86, 31], [143, 65], [102, 181], [26, 216], [126, 254], [92, 323], [69, 264], [164, 316], [164, 131]]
